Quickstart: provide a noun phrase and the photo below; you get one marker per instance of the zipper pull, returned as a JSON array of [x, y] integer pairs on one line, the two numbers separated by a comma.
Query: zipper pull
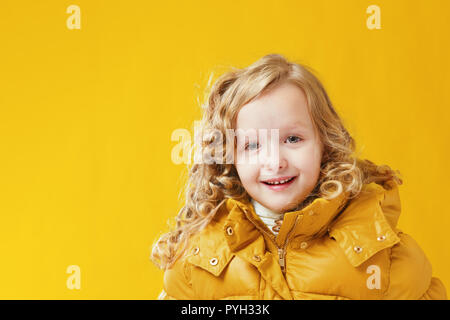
[[281, 258]]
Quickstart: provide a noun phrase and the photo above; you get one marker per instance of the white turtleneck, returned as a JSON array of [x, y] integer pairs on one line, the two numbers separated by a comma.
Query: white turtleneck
[[267, 216]]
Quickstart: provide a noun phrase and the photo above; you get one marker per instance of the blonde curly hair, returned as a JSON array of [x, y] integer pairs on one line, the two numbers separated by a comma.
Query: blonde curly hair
[[209, 185]]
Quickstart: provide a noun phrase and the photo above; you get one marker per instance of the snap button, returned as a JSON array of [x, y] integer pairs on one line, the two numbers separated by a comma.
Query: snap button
[[303, 245], [213, 261], [311, 213], [196, 250], [230, 231], [257, 258], [357, 249], [381, 238]]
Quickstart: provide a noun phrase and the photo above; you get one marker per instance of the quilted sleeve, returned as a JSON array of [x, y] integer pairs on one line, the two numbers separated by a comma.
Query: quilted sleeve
[[410, 276]]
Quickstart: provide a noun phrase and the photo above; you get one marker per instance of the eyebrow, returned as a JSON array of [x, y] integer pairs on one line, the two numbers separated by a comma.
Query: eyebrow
[[296, 125]]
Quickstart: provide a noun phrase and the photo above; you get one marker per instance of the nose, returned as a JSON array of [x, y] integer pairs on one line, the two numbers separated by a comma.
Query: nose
[[274, 162]]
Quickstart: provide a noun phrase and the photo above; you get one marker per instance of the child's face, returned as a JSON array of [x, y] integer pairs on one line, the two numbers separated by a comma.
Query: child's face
[[299, 148]]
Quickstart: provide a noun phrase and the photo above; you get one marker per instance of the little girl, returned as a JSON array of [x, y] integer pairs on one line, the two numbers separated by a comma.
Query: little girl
[[295, 215]]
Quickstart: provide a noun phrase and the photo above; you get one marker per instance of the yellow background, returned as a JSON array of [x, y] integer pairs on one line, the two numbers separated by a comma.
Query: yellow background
[[86, 117]]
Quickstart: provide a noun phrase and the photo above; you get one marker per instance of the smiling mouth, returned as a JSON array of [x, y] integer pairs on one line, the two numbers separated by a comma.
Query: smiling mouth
[[279, 181]]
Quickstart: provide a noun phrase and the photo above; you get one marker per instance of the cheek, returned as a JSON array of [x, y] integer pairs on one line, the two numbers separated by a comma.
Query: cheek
[[247, 173], [309, 161], [317, 158]]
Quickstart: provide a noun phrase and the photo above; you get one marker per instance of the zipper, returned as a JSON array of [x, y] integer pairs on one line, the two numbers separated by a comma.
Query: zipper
[[281, 259], [282, 250]]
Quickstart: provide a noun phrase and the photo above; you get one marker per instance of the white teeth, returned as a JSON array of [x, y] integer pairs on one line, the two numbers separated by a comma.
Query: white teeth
[[280, 182]]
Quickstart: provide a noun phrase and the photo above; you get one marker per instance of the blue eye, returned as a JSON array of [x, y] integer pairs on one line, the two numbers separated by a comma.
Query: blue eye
[[249, 146], [296, 139]]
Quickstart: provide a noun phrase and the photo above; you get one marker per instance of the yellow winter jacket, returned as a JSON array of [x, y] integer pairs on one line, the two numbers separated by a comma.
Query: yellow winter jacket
[[331, 249]]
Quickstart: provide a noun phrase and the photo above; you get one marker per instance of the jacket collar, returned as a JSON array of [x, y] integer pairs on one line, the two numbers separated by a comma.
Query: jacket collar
[[368, 225], [361, 226], [309, 221]]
